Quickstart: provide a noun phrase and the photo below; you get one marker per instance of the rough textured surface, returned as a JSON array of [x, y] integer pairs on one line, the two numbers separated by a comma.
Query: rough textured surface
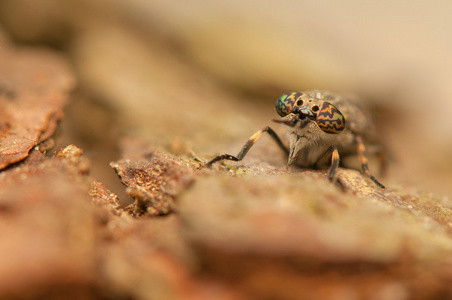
[[33, 91], [47, 228], [56, 244], [249, 233], [102, 196], [154, 179], [299, 237]]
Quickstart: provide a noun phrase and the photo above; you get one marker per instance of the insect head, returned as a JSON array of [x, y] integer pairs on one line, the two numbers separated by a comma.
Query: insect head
[[327, 116]]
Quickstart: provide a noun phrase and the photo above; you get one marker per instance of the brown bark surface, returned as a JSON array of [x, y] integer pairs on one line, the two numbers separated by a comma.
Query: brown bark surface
[[239, 230], [33, 90]]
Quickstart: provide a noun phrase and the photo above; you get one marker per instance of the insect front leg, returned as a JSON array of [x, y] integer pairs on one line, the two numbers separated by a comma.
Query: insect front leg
[[334, 154], [253, 139], [363, 160]]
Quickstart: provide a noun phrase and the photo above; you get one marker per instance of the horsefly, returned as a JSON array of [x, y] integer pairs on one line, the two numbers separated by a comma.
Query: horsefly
[[320, 125]]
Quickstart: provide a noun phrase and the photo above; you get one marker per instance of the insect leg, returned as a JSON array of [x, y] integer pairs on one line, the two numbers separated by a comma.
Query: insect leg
[[331, 151], [249, 144], [363, 160], [383, 160]]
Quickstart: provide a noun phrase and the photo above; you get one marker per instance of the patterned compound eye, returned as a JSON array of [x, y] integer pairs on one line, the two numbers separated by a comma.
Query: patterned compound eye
[[286, 103], [330, 119]]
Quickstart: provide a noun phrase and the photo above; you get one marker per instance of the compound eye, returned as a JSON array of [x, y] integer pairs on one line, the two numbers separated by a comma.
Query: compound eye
[[330, 119], [286, 103]]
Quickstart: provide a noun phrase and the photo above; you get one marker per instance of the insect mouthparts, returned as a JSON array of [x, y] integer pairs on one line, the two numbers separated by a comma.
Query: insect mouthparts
[[304, 112]]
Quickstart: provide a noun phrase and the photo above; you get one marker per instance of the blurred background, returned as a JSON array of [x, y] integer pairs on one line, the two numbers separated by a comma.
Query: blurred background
[[204, 75]]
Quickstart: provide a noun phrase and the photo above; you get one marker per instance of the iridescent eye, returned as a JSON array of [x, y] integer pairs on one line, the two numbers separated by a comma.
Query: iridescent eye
[[286, 102], [330, 119]]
